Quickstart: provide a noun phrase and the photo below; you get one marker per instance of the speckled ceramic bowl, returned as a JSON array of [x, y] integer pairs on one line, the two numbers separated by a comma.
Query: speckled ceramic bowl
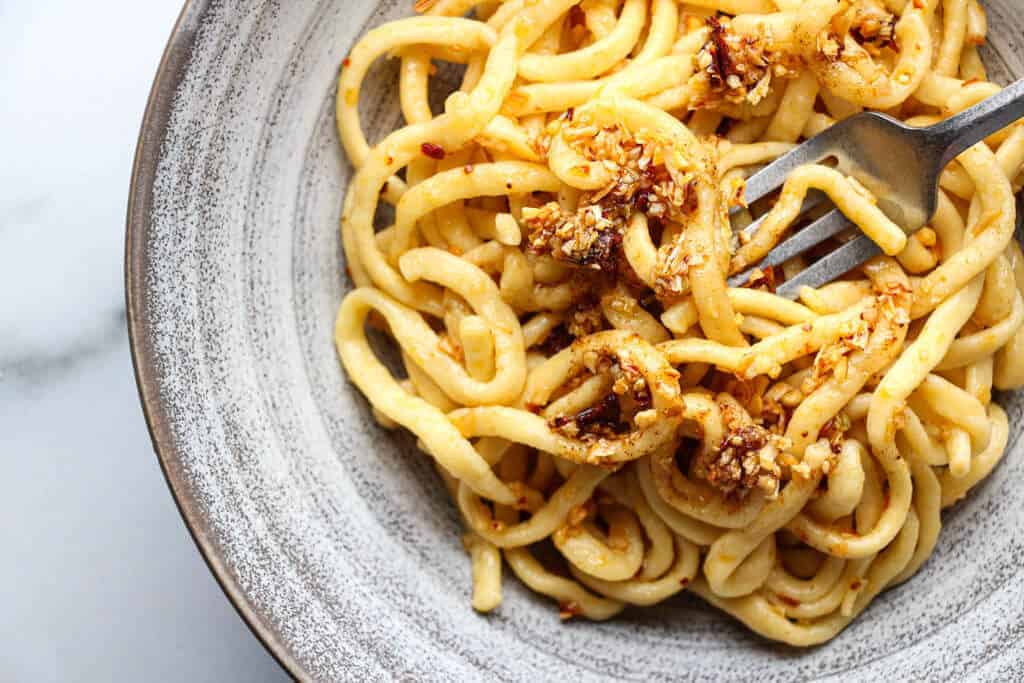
[[333, 537]]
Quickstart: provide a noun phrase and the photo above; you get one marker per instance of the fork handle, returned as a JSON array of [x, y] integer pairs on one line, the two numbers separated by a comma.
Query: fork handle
[[959, 133]]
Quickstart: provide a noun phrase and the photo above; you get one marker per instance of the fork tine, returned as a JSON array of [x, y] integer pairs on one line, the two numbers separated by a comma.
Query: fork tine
[[839, 262], [829, 225], [813, 200], [772, 176]]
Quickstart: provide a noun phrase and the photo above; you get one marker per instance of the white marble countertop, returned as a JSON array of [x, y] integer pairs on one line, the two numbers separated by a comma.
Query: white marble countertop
[[99, 580]]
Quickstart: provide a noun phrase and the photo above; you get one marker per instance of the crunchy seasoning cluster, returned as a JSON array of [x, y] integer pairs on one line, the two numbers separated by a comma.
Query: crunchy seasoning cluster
[[744, 461], [864, 29], [588, 237], [672, 267], [871, 23], [601, 419], [738, 68], [833, 359], [647, 175], [629, 399]]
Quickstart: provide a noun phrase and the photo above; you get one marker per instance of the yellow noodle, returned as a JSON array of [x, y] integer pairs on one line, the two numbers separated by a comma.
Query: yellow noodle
[[576, 363]]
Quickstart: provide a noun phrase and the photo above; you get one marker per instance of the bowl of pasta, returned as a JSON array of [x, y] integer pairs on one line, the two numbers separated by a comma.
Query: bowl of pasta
[[432, 325]]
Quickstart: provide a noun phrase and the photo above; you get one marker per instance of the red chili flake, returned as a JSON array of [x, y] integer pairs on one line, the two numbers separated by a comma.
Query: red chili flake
[[433, 151], [604, 252], [690, 197], [762, 277], [568, 610], [570, 112], [346, 62], [722, 64], [467, 169], [577, 17], [855, 585], [605, 412], [788, 600], [684, 582]]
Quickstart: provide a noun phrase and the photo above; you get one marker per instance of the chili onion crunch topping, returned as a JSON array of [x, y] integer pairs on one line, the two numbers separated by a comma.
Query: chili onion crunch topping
[[738, 68], [585, 319], [744, 461], [872, 22], [862, 32], [648, 175], [832, 359]]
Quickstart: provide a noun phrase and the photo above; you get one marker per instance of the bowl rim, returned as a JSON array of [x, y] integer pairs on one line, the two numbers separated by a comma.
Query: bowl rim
[[173, 65]]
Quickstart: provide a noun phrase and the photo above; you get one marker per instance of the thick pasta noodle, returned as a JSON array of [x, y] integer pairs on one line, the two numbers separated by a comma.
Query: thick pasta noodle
[[614, 422]]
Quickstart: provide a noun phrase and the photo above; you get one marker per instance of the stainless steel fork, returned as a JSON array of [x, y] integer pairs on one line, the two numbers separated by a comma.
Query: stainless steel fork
[[899, 163]]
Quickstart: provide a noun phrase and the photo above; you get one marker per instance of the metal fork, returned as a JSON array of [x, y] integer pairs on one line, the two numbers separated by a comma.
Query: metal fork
[[899, 163]]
